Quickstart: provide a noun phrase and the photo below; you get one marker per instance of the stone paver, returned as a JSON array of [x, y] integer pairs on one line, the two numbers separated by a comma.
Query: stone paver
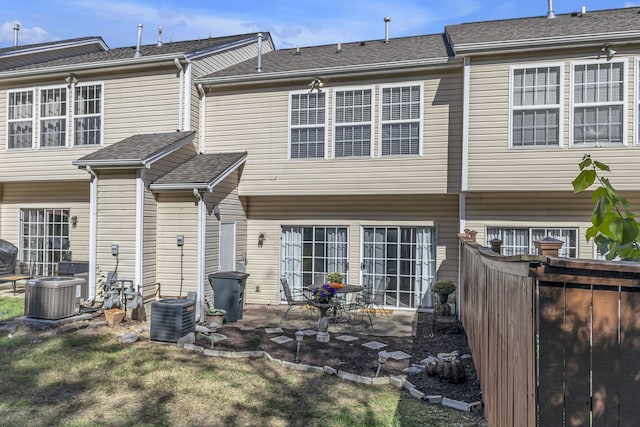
[[399, 355], [374, 345], [347, 338], [273, 330], [281, 339]]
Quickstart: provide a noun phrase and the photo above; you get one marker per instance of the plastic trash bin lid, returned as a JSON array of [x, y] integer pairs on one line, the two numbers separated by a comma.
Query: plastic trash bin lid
[[229, 275], [216, 312]]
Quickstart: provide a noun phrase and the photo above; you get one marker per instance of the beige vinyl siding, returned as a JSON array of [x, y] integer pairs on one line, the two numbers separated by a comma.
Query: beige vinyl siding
[[149, 244], [267, 215], [117, 222], [495, 167], [225, 195], [535, 209], [212, 63], [177, 215], [61, 195], [262, 115], [133, 104]]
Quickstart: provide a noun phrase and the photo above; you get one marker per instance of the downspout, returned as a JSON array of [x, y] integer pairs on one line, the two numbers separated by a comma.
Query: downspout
[[203, 117], [200, 262], [464, 179], [464, 182], [186, 120], [139, 258], [93, 233], [180, 92]]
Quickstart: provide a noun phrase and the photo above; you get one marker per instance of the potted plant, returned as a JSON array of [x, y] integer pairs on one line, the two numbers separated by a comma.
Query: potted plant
[[335, 279], [443, 288]]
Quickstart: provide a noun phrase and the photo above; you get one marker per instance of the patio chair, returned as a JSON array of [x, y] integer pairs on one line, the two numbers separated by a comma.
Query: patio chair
[[371, 299], [294, 299]]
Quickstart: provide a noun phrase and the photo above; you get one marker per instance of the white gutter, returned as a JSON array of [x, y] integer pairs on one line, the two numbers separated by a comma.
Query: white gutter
[[139, 256], [561, 41], [340, 70], [51, 47], [203, 117], [93, 233], [133, 62], [203, 186], [181, 92], [200, 261], [186, 120]]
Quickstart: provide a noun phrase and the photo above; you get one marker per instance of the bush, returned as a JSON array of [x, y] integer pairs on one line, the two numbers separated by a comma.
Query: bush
[[443, 287]]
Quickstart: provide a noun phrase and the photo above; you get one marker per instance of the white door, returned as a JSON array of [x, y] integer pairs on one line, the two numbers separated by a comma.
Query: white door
[[227, 246]]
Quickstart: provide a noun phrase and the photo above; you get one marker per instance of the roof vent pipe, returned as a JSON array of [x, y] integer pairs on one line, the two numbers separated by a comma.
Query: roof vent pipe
[[297, 50], [138, 54], [583, 10], [386, 28], [16, 28], [159, 37], [259, 68], [339, 48], [550, 13]]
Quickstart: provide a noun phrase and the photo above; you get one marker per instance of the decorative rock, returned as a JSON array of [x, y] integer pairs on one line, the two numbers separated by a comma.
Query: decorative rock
[[329, 370], [190, 338], [202, 329], [397, 381], [414, 370], [128, 338]]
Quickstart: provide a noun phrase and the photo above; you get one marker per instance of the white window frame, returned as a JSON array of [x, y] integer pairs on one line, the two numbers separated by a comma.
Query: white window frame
[[291, 127], [420, 121], [636, 110], [46, 243], [75, 116], [623, 102], [559, 106], [34, 131], [370, 122], [64, 117], [531, 247]]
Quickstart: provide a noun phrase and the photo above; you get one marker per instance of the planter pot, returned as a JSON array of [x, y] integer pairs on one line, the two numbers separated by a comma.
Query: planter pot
[[114, 316], [443, 298]]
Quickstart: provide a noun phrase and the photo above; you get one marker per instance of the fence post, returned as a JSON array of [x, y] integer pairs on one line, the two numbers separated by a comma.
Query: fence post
[[496, 245], [548, 246]]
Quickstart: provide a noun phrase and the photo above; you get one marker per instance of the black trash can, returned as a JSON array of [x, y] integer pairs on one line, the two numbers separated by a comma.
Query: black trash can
[[228, 293]]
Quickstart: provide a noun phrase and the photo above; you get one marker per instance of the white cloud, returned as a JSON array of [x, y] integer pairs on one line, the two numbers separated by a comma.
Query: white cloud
[[26, 35]]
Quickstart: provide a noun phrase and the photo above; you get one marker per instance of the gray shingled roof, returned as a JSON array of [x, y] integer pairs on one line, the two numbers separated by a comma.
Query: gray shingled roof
[[368, 54], [35, 46], [190, 47], [200, 171], [612, 25], [136, 150]]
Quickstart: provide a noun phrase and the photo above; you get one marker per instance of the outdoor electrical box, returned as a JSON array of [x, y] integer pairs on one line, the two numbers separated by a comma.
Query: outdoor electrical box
[[114, 249], [180, 240]]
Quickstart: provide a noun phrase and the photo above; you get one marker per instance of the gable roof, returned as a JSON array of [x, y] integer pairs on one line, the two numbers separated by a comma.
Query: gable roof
[[15, 56], [137, 150], [614, 25], [202, 172], [125, 55], [373, 55]]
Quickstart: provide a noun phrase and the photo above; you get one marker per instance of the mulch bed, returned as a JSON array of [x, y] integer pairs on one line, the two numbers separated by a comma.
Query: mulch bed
[[353, 357]]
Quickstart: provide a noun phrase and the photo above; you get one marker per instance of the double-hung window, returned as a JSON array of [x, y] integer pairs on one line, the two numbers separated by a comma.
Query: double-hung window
[[535, 106], [598, 103], [87, 115], [353, 114], [307, 125], [400, 120], [53, 117], [517, 241], [20, 117]]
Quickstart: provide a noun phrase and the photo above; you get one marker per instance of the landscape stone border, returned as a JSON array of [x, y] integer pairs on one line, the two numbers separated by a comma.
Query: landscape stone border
[[398, 381]]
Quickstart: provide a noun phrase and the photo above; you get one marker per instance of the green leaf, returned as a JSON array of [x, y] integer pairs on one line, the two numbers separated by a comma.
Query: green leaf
[[600, 211], [601, 166], [591, 232], [584, 180], [586, 161], [630, 231], [616, 227]]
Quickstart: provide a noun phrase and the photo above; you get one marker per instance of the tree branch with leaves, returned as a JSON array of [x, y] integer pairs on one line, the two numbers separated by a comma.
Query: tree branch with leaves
[[614, 228]]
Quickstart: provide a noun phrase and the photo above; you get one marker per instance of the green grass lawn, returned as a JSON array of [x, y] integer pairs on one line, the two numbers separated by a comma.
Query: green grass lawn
[[11, 307], [87, 378]]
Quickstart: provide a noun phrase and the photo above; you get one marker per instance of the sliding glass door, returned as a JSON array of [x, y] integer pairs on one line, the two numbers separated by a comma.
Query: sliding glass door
[[404, 259]]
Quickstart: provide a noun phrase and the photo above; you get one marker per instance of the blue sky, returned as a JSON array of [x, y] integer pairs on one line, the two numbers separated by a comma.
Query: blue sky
[[291, 23]]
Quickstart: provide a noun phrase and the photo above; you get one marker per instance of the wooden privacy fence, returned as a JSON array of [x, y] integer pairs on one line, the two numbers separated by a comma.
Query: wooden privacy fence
[[555, 341]]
